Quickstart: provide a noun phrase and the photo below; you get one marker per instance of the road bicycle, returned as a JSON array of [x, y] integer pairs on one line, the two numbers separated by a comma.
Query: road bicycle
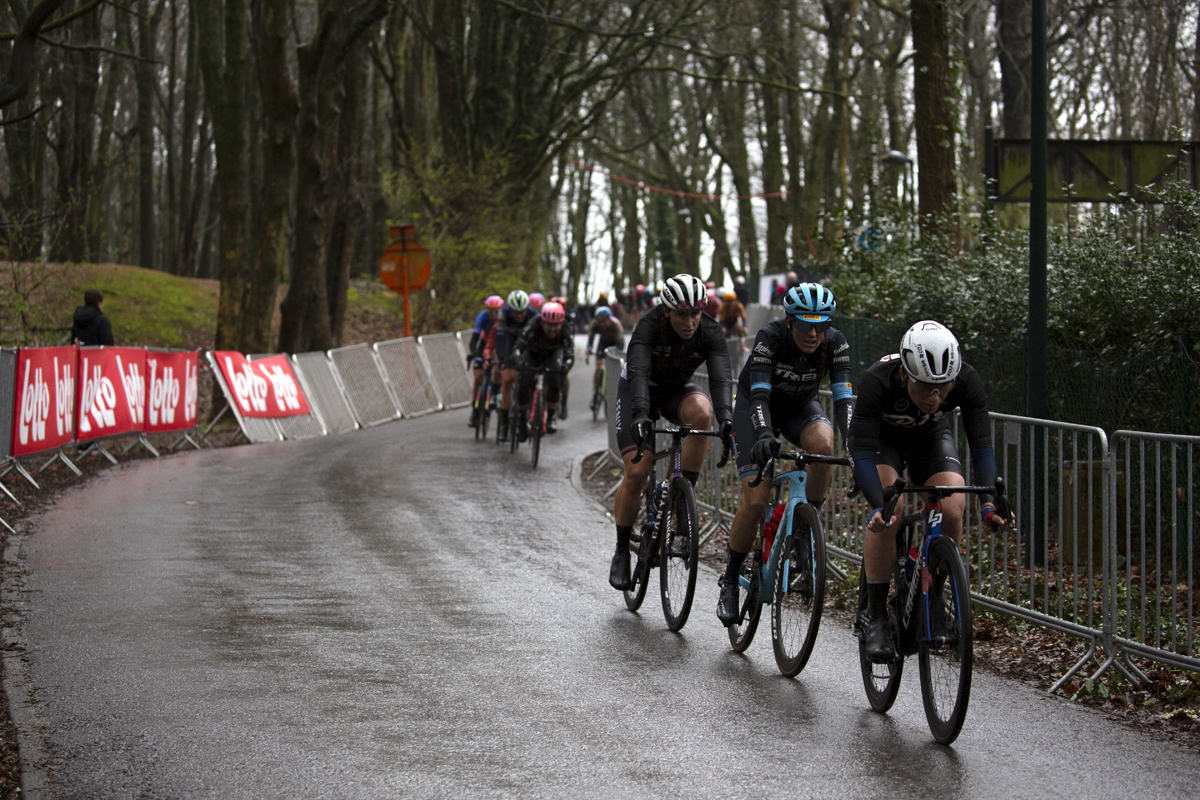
[[599, 386], [484, 403], [929, 611], [787, 567], [535, 421], [669, 534]]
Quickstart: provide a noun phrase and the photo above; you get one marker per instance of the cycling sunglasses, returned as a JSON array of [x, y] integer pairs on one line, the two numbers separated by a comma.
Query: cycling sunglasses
[[921, 389], [806, 322]]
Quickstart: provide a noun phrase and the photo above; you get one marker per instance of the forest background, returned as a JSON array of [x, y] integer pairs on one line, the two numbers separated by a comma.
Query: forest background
[[269, 143]]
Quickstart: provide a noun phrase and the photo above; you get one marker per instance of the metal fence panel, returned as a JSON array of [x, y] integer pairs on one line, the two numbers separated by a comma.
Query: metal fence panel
[[365, 385], [256, 429], [447, 360], [1154, 550], [324, 391], [301, 426], [8, 393], [614, 363], [758, 316], [409, 376]]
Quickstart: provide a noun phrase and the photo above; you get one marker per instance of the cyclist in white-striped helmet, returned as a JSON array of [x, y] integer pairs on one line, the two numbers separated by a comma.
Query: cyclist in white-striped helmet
[[902, 421], [667, 345], [515, 315]]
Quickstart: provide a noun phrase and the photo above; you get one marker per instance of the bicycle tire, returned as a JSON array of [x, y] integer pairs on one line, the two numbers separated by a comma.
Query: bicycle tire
[[881, 681], [477, 409], [640, 546], [946, 657], [537, 425], [741, 633], [483, 424], [514, 422], [679, 554], [500, 428], [799, 593]]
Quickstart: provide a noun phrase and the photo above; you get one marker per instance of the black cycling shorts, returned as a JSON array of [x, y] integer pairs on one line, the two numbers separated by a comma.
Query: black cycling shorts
[[792, 427], [665, 402], [925, 455]]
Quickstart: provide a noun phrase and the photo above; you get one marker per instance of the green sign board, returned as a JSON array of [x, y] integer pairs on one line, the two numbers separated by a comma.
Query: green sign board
[[1090, 170]]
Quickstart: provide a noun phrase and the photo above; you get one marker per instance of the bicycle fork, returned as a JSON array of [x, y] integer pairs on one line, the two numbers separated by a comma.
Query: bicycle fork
[[933, 524]]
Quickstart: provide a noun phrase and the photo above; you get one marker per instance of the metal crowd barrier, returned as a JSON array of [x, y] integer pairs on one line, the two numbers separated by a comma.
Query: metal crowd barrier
[[301, 426], [1152, 558], [447, 360], [257, 430], [8, 384], [365, 385], [323, 388], [407, 373]]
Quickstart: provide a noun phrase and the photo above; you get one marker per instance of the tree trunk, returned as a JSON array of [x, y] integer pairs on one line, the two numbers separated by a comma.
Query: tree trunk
[[772, 161], [80, 83], [147, 235], [1015, 51], [350, 204], [934, 92], [280, 106]]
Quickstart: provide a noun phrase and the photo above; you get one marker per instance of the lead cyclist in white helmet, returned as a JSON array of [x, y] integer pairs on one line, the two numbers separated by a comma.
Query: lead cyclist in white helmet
[[902, 419]]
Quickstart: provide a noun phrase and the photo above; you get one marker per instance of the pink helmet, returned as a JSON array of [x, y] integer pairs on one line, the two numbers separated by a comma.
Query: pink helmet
[[553, 313], [495, 301], [537, 300]]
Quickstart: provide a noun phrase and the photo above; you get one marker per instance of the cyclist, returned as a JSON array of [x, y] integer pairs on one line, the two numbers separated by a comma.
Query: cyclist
[[536, 301], [514, 316], [569, 325], [777, 390], [545, 343], [483, 341], [732, 315], [611, 335], [902, 418], [670, 341]]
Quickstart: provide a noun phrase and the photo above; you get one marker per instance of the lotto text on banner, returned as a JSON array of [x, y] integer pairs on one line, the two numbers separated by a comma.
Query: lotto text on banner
[[172, 387], [112, 391], [45, 387], [266, 387]]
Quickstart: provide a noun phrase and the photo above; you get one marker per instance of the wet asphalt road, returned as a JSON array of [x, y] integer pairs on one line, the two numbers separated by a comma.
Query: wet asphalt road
[[404, 612]]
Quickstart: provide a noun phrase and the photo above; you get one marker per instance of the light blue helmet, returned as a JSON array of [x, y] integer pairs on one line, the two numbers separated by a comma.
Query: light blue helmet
[[810, 302], [603, 311]]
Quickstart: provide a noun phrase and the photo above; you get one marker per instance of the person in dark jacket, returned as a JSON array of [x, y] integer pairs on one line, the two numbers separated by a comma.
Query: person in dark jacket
[[90, 326]]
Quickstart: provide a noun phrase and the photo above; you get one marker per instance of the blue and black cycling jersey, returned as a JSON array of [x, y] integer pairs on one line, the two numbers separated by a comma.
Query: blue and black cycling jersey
[[884, 413], [483, 326], [780, 379], [510, 329]]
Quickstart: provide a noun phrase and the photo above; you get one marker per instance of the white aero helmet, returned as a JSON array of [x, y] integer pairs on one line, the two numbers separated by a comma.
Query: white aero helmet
[[929, 353], [684, 293]]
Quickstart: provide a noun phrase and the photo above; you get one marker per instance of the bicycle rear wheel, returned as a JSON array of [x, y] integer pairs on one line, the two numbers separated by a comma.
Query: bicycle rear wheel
[[799, 594], [537, 425], [514, 423], [642, 543], [741, 634], [882, 681], [946, 651], [679, 554], [477, 406]]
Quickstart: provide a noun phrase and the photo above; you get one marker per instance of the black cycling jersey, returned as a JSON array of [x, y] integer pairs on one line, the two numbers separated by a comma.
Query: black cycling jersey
[[658, 357], [534, 345], [509, 329], [885, 413], [780, 378]]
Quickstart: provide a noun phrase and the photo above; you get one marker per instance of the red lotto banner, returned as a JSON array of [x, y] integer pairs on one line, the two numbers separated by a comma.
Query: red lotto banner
[[112, 391], [171, 390], [263, 388], [45, 387]]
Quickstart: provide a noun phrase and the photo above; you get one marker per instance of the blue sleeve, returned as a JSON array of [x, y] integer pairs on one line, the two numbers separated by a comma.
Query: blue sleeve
[[867, 477], [983, 469]]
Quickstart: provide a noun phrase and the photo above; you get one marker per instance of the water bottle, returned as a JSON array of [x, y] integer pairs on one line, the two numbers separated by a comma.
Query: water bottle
[[768, 536]]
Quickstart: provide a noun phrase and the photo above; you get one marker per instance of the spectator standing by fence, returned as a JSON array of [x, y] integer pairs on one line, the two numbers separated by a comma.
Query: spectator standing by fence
[[90, 326]]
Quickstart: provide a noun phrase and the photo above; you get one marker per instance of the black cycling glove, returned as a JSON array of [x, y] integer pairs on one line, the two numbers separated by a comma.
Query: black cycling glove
[[641, 430], [764, 449]]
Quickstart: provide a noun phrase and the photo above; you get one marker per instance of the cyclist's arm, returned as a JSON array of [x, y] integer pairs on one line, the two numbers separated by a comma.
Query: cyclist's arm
[[839, 382], [720, 373], [637, 366], [762, 370], [865, 442], [978, 427]]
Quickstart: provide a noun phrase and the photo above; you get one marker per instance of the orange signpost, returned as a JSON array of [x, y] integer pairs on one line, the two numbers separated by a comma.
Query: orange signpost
[[404, 266]]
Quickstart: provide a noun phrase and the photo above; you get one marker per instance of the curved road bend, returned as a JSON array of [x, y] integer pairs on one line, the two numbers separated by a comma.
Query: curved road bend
[[404, 612]]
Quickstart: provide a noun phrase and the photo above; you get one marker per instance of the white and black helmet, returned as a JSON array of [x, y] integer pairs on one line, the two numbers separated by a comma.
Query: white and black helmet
[[684, 293], [929, 353]]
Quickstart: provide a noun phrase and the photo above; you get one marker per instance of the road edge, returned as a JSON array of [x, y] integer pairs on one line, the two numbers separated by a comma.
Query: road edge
[[22, 707]]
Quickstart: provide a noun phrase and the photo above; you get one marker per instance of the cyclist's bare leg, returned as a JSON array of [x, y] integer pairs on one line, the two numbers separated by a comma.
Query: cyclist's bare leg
[[952, 506], [629, 494], [478, 371], [749, 515], [508, 378], [696, 411], [818, 438], [879, 549]]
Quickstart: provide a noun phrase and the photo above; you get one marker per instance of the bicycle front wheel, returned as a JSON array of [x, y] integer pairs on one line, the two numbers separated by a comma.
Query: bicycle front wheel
[[537, 426], [679, 554], [882, 681], [514, 422], [946, 649], [749, 603], [799, 594]]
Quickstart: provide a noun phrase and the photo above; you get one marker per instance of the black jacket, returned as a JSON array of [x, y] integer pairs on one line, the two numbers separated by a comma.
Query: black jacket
[[91, 327]]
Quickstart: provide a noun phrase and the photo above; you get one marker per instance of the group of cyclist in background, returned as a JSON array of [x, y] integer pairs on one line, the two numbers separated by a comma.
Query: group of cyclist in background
[[900, 420]]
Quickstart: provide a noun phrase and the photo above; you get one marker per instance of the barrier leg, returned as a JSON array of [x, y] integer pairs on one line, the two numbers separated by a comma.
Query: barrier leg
[[144, 442], [1091, 651], [11, 496], [13, 464], [5, 524], [60, 456], [95, 447]]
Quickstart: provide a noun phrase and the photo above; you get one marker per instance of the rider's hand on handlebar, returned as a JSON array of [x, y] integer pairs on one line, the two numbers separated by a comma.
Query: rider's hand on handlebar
[[989, 516], [876, 523], [764, 449], [641, 431], [727, 435]]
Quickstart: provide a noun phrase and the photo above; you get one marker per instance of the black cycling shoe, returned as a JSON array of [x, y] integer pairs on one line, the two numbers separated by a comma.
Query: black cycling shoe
[[877, 639], [618, 573], [727, 603], [550, 427]]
